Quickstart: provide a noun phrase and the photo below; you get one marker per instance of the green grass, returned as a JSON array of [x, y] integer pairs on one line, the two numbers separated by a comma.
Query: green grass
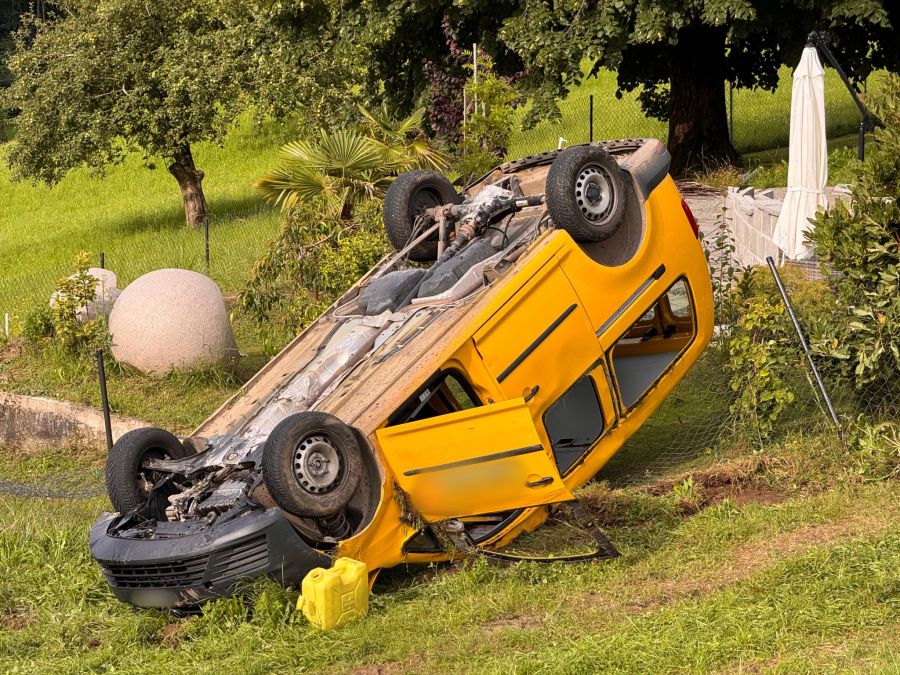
[[803, 583], [134, 215], [761, 119]]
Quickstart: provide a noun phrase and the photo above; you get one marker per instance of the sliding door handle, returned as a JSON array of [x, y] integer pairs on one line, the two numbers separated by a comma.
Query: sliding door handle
[[540, 482]]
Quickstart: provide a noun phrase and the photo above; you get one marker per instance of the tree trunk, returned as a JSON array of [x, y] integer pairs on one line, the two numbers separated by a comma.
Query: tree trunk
[[698, 125], [190, 180]]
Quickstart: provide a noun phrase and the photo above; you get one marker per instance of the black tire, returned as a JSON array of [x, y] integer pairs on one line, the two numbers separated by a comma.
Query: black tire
[[286, 468], [408, 195], [586, 193], [126, 479]]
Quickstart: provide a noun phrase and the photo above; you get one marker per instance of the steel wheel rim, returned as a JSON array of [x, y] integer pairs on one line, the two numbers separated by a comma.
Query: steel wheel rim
[[595, 192], [317, 464]]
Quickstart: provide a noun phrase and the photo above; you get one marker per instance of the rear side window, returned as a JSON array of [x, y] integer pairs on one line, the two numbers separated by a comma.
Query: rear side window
[[651, 345], [446, 392], [573, 423]]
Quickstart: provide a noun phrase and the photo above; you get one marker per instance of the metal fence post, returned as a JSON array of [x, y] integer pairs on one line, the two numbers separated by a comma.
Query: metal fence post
[[591, 117], [104, 399], [799, 329], [102, 260], [206, 243]]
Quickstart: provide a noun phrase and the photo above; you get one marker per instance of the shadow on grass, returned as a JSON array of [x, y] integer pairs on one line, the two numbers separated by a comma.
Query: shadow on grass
[[171, 216]]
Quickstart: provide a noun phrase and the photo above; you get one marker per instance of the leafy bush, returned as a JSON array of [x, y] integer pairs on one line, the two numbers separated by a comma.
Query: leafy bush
[[311, 262], [491, 123], [859, 245], [875, 448], [760, 356], [65, 322], [38, 324]]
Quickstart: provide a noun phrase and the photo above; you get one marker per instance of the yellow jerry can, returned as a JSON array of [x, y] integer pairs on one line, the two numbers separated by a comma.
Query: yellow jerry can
[[333, 597]]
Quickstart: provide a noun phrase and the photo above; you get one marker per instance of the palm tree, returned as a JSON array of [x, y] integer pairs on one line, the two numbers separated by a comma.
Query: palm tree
[[341, 168]]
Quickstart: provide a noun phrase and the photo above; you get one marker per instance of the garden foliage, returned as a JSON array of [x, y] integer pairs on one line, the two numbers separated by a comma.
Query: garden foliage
[[859, 246]]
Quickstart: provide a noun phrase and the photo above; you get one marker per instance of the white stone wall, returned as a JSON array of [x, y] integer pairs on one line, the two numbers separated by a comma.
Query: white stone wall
[[751, 217]]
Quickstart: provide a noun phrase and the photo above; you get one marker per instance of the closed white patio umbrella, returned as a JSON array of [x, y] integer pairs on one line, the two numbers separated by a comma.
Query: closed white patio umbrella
[[807, 158]]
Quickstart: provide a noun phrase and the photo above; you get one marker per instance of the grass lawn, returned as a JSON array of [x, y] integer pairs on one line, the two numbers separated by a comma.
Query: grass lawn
[[780, 563], [134, 214], [761, 119]]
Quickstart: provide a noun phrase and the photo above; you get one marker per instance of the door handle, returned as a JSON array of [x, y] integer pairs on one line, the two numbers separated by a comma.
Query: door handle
[[531, 394], [540, 482]]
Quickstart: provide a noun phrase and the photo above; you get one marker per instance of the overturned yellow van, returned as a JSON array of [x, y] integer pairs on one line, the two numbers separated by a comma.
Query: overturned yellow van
[[523, 330]]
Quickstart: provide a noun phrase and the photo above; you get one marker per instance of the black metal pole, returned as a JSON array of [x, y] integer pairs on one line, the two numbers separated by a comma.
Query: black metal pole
[[104, 399], [102, 260], [730, 112], [867, 122], [591, 117], [797, 327], [206, 242]]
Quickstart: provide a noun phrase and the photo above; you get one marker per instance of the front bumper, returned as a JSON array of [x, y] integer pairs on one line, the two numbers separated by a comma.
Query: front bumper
[[192, 562]]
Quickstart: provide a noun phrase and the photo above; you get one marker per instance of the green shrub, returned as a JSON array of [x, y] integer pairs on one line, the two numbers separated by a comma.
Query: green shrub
[[761, 354], [311, 262], [489, 127], [64, 323], [859, 244], [37, 327], [875, 448]]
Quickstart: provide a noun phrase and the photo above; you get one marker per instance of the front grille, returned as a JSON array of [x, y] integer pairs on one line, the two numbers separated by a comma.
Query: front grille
[[243, 559], [174, 574]]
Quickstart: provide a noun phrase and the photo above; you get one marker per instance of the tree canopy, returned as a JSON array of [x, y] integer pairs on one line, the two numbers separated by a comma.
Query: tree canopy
[[101, 79], [676, 54]]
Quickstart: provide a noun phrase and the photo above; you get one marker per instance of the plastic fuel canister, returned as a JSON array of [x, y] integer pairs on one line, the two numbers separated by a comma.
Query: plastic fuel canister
[[333, 597]]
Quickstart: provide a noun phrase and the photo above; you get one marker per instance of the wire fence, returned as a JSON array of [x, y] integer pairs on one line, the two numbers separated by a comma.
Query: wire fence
[[757, 119], [697, 422], [225, 250]]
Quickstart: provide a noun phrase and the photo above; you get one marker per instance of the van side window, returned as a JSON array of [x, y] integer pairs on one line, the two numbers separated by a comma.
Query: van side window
[[573, 423], [446, 392], [651, 345]]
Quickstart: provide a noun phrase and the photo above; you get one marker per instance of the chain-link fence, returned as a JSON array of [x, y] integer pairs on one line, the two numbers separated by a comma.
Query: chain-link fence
[[225, 250], [700, 418], [758, 119]]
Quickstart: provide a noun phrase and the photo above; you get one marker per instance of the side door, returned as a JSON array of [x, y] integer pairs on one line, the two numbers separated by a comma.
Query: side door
[[480, 460], [541, 341]]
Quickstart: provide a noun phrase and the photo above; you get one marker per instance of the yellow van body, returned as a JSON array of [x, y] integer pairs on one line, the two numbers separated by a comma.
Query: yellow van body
[[480, 411], [556, 281]]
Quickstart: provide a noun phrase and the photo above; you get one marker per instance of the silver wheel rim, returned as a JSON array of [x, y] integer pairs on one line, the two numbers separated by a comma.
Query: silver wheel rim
[[317, 464], [595, 193]]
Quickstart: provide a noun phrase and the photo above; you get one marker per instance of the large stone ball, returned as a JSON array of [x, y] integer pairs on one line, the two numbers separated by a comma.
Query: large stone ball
[[171, 319]]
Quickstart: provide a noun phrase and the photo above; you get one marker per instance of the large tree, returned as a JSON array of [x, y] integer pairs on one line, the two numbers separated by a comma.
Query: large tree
[[104, 78], [678, 54]]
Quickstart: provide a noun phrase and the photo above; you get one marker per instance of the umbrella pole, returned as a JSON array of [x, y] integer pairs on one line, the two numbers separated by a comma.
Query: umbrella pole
[[867, 121]]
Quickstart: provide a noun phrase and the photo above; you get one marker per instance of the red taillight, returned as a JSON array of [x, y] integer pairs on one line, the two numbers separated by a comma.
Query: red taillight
[[691, 219]]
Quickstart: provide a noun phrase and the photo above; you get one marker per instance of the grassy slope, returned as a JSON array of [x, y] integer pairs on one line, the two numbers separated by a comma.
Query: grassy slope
[[794, 571], [134, 214], [761, 119]]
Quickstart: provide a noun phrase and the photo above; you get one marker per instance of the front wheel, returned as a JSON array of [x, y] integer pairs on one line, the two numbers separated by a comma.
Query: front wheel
[[586, 193], [312, 464], [129, 483]]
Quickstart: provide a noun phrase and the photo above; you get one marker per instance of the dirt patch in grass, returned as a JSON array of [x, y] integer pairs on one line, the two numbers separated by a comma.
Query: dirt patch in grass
[[516, 623], [741, 482], [17, 619]]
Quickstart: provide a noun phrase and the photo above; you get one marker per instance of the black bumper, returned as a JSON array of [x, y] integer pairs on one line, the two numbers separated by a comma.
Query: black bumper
[[193, 564]]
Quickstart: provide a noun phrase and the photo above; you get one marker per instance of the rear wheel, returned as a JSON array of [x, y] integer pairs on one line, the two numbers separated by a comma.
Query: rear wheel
[[312, 464], [129, 483], [408, 197], [586, 193]]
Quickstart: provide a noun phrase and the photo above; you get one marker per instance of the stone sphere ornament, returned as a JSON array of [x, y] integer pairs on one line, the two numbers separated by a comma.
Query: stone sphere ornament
[[171, 319]]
